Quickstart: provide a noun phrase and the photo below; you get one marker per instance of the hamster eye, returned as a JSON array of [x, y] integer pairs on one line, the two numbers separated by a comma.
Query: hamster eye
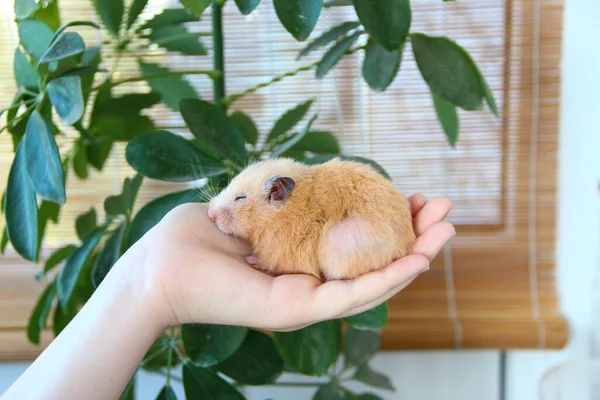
[[240, 197]]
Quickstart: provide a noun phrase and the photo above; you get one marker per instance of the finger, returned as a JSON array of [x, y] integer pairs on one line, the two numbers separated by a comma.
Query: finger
[[417, 201], [434, 211], [431, 242], [337, 297]]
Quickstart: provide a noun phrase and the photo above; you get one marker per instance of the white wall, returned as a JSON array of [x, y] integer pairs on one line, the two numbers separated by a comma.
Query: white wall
[[475, 374]]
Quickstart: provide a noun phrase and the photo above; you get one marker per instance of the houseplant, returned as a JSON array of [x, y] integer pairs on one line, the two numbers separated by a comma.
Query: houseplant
[[57, 74]]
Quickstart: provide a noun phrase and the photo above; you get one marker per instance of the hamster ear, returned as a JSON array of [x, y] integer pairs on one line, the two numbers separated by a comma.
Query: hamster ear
[[279, 187]]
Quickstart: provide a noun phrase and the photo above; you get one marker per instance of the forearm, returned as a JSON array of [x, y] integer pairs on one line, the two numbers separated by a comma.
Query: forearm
[[96, 354]]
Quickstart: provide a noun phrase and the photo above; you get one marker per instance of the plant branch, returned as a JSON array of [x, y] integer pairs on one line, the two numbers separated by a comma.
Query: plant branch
[[170, 357], [211, 74], [218, 52], [235, 97], [183, 358], [175, 378], [295, 384]]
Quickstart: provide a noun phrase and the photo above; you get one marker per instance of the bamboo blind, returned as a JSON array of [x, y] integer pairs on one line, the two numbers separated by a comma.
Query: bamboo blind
[[494, 286]]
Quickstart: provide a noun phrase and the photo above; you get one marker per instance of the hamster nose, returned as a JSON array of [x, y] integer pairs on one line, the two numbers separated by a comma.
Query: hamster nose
[[212, 215]]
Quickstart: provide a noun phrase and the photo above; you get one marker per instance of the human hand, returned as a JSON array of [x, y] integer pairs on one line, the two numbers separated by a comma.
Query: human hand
[[199, 275]]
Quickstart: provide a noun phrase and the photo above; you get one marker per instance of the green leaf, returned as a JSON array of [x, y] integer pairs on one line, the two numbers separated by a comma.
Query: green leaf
[[375, 318], [69, 275], [56, 258], [115, 205], [487, 92], [39, 316], [366, 375], [311, 350], [201, 383], [134, 11], [157, 356], [177, 38], [134, 187], [360, 346], [208, 345], [319, 142], [197, 7], [98, 151], [172, 89], [26, 75], [151, 213], [288, 120], [329, 391], [131, 103], [335, 54], [298, 17], [35, 37], [129, 392], [21, 208], [170, 16], [4, 241], [214, 130], [448, 70], [43, 160], [48, 211], [49, 14], [80, 160], [246, 126], [290, 143], [446, 113], [90, 59], [320, 159], [25, 8], [380, 66], [86, 223], [247, 6], [387, 21], [62, 317], [67, 98], [367, 396], [333, 3], [256, 362], [108, 256], [66, 45], [167, 393], [328, 37], [168, 157], [120, 119], [111, 14]]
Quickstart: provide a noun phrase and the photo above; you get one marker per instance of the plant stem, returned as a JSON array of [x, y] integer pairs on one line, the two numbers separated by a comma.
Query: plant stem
[[175, 378], [296, 384], [219, 52], [183, 358], [211, 74], [170, 358], [235, 97]]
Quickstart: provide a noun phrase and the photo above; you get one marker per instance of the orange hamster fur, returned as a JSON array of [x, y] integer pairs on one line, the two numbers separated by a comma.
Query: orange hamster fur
[[336, 220]]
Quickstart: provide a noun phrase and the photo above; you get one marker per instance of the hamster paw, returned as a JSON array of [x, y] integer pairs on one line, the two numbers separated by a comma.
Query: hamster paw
[[253, 262]]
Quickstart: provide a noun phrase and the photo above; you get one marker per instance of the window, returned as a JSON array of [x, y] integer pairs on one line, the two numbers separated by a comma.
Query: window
[[494, 286]]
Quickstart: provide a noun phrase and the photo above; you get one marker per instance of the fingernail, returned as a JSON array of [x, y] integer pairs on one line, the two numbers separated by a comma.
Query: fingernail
[[424, 270]]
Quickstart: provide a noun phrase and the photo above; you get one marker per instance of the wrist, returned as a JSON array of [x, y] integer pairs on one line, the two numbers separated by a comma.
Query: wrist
[[135, 285]]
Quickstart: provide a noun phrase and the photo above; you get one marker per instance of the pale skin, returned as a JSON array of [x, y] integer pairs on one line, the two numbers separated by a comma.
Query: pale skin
[[185, 270]]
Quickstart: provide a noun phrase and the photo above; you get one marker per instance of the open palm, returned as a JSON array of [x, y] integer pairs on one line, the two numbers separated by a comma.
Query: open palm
[[204, 277]]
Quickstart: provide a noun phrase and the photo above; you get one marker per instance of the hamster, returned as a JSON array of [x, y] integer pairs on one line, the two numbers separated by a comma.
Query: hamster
[[334, 221]]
